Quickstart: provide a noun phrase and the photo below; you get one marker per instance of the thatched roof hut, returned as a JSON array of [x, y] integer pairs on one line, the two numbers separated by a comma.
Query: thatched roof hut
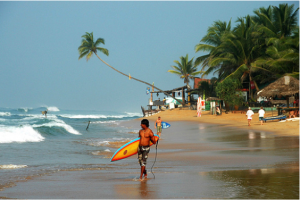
[[285, 86]]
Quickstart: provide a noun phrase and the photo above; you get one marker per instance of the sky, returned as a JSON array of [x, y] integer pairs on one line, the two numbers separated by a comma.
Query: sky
[[39, 43]]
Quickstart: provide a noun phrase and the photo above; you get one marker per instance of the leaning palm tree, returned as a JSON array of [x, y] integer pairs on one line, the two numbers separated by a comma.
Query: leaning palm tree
[[186, 70], [88, 47]]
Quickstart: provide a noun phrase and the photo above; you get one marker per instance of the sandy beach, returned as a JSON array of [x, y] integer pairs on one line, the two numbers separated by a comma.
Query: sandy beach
[[197, 158], [238, 120]]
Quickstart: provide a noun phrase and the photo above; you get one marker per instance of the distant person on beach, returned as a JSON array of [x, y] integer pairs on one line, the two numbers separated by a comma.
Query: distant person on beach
[[157, 126], [249, 115], [146, 135], [45, 113], [261, 115]]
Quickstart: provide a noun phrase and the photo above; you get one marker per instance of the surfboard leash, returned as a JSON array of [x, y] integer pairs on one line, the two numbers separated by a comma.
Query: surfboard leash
[[154, 159]]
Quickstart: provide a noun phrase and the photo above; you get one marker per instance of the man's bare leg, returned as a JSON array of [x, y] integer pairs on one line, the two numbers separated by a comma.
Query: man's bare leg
[[142, 172]]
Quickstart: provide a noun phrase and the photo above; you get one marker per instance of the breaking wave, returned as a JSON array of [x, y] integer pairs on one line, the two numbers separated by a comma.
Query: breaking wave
[[9, 134], [5, 114], [11, 166]]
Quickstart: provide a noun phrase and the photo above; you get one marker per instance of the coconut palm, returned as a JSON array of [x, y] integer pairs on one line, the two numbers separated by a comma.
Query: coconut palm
[[209, 42], [88, 47], [186, 70], [282, 56], [278, 26], [239, 49]]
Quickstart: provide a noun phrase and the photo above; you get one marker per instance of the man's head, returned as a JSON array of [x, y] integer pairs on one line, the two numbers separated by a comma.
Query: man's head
[[249, 108], [146, 122], [261, 107], [158, 117]]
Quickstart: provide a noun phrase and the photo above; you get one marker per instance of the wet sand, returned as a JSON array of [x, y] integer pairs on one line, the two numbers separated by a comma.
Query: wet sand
[[194, 160]]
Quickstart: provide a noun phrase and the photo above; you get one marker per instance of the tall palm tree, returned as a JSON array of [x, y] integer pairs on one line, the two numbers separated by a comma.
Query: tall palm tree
[[213, 38], [88, 47], [240, 49], [279, 28], [282, 56], [186, 70], [276, 22]]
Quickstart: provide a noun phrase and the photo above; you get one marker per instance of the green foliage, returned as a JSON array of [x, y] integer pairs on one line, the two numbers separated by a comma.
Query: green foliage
[[227, 91], [88, 46], [185, 69], [260, 48]]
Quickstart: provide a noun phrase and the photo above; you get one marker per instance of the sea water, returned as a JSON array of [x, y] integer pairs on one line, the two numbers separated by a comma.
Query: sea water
[[33, 144]]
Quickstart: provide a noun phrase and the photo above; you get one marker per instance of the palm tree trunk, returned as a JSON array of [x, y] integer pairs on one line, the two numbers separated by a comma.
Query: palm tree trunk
[[137, 79]]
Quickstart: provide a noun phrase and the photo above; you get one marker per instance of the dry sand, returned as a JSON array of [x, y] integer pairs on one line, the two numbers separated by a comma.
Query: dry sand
[[239, 120]]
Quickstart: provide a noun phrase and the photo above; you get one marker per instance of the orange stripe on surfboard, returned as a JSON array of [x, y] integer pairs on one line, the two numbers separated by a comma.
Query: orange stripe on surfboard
[[128, 149]]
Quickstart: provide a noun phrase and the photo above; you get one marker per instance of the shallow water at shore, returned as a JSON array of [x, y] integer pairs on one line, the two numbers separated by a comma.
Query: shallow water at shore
[[193, 161]]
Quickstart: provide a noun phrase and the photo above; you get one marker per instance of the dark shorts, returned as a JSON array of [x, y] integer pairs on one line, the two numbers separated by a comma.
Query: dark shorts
[[143, 152], [261, 118]]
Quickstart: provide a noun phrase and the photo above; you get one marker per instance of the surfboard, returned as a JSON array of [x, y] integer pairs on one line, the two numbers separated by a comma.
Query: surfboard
[[165, 125], [128, 149]]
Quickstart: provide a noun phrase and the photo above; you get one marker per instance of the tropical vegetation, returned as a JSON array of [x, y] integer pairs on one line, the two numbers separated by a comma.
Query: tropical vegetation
[[186, 70], [260, 48]]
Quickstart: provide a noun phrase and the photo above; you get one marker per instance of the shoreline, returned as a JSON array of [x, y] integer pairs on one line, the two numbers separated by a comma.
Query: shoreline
[[206, 155], [237, 120]]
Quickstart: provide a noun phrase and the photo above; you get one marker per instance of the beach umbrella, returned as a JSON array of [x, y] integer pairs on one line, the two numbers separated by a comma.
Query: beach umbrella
[[199, 107]]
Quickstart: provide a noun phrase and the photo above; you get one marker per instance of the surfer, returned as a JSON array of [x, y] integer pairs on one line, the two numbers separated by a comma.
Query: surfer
[[146, 135], [157, 126], [45, 113]]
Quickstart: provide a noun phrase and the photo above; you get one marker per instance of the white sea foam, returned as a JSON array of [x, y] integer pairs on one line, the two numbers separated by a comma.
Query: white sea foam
[[24, 109], [106, 142], [83, 116], [5, 114], [134, 114], [106, 122], [26, 133], [59, 123], [99, 116], [11, 166], [53, 109]]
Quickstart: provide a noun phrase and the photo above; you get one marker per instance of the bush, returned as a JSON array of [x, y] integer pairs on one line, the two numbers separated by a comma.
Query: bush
[[227, 91]]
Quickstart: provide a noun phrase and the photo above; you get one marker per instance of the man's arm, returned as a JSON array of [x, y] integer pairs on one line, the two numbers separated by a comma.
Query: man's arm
[[152, 137]]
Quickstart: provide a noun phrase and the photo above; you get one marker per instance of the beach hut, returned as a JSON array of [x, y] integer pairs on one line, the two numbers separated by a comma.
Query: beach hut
[[284, 86]]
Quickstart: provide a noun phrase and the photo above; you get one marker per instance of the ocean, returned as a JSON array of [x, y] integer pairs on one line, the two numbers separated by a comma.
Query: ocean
[[32, 144]]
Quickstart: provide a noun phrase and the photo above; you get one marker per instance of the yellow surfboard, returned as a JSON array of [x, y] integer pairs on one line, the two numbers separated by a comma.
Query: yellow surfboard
[[128, 149]]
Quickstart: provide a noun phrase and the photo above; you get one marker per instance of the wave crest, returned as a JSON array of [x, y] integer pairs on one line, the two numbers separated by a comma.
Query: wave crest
[[11, 166], [53, 109], [5, 114], [9, 134]]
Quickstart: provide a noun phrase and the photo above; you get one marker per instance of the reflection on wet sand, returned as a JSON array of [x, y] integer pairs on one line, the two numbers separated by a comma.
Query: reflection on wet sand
[[270, 183], [137, 189]]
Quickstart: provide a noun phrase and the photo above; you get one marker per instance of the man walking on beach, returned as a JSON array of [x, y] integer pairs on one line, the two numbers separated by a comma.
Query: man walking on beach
[[146, 135], [157, 126], [261, 115], [249, 116]]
